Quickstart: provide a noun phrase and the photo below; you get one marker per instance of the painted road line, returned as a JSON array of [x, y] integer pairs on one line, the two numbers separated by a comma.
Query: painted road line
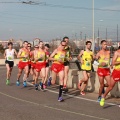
[[53, 108]]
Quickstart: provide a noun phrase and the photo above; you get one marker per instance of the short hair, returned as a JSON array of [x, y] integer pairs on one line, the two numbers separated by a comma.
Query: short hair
[[103, 41], [47, 45], [118, 47], [65, 38], [62, 41], [25, 42], [10, 43], [88, 42], [29, 44]]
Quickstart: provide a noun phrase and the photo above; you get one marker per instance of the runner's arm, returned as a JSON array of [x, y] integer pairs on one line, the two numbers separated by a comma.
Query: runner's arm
[[19, 54], [80, 54], [52, 55], [70, 55], [97, 56], [47, 58], [15, 52]]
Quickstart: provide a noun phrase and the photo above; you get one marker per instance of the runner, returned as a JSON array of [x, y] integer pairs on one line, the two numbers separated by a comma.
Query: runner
[[46, 49], [29, 61], [9, 56], [86, 57], [23, 63], [40, 66], [57, 67], [33, 71], [29, 49], [115, 75], [103, 57], [66, 63]]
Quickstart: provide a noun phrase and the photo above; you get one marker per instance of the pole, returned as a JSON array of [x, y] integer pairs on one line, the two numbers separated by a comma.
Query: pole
[[98, 37], [93, 26]]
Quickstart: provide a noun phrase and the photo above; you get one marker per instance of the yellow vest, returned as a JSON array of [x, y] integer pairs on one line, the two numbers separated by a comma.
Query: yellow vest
[[87, 58], [24, 52], [58, 56], [117, 67], [104, 59], [41, 54]]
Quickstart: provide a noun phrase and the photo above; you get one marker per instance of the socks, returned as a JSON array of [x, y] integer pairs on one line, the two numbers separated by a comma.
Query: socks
[[60, 90]]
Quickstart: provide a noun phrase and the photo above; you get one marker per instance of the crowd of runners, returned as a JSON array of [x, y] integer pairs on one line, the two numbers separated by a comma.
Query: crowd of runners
[[37, 63]]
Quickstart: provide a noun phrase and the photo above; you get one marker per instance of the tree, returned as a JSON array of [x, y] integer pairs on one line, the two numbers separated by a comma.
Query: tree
[[2, 49]]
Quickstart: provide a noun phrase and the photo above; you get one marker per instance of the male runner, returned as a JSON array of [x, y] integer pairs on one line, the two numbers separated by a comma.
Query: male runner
[[103, 57], [29, 61], [115, 75], [46, 49], [40, 66], [23, 55], [57, 67], [33, 64], [9, 56], [86, 57], [66, 63]]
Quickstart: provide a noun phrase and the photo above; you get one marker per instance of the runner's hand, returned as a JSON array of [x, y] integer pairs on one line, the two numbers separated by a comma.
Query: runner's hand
[[82, 61], [60, 60], [26, 56]]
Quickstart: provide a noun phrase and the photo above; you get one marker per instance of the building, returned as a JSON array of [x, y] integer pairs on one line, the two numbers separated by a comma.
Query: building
[[16, 43]]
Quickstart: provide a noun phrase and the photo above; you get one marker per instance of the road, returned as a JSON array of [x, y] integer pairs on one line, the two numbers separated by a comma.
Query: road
[[19, 103]]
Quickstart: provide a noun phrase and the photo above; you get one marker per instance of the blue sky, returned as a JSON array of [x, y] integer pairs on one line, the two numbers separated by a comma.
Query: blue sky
[[22, 21]]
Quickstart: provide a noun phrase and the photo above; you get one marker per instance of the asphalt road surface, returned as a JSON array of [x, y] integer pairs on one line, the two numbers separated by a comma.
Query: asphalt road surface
[[19, 103]]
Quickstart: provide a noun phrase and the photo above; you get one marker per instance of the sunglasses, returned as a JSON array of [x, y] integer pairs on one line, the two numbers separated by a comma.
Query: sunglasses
[[63, 45], [29, 46]]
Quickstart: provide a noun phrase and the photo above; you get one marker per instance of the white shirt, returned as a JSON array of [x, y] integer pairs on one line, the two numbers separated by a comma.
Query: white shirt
[[10, 54]]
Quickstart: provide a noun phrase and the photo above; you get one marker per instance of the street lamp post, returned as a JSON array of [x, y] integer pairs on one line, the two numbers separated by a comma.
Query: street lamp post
[[93, 25]]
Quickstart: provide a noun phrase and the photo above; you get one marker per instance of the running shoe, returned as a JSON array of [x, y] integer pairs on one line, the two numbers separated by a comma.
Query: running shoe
[[82, 93], [41, 86], [17, 83], [7, 82], [36, 87], [60, 99], [99, 98], [44, 86], [25, 84], [102, 101], [49, 81]]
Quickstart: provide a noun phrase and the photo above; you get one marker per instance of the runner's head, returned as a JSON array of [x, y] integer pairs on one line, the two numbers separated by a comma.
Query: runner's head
[[66, 39], [41, 44], [62, 44], [47, 46], [10, 45], [104, 44], [36, 47], [25, 44], [88, 45], [29, 46]]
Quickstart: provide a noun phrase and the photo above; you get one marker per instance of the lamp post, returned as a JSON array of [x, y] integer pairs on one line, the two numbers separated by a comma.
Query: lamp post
[[93, 26]]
